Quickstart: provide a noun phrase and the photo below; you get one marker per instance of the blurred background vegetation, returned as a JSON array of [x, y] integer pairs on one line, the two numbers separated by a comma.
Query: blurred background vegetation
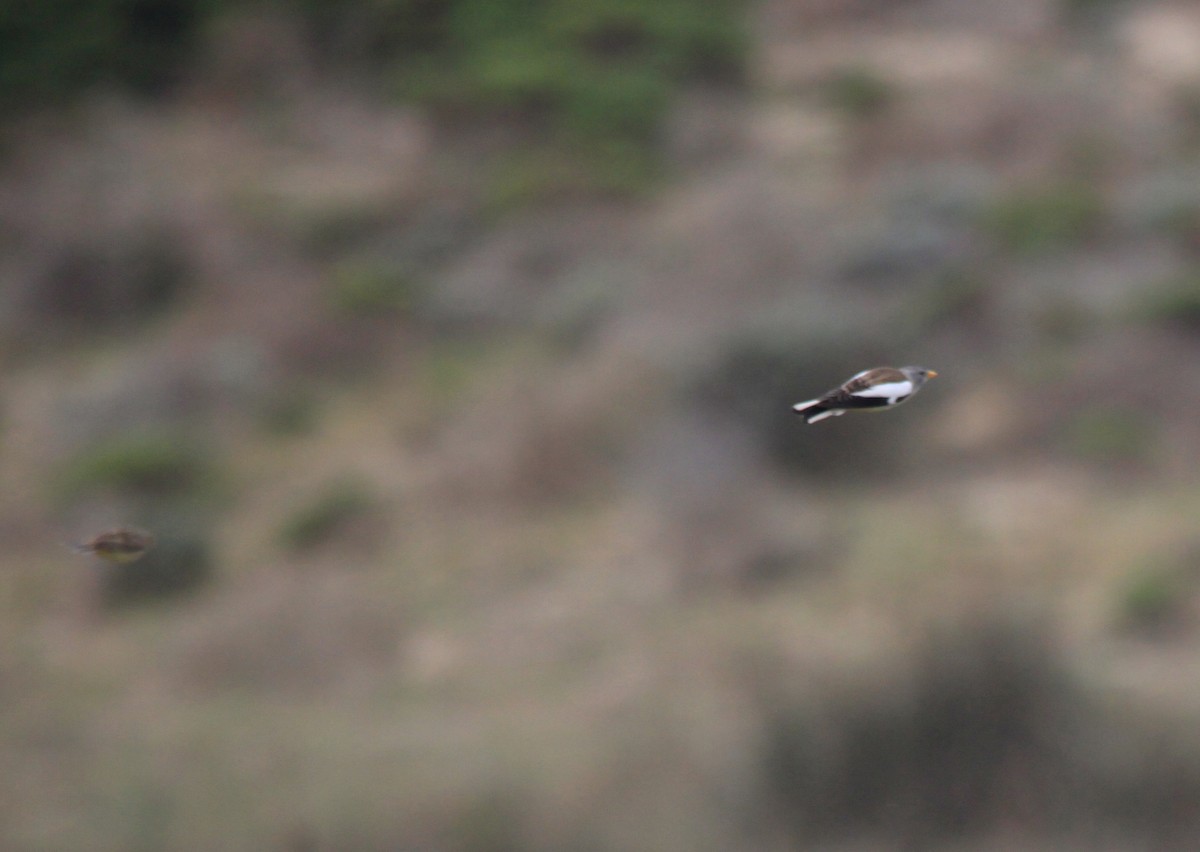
[[448, 347]]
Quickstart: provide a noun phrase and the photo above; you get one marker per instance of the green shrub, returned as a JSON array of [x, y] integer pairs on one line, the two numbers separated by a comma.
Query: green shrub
[[318, 520], [595, 66], [153, 464], [1174, 303], [1109, 434], [591, 75], [367, 288], [1061, 319], [556, 171], [1150, 598], [289, 411], [452, 366], [1031, 221], [956, 296], [859, 93]]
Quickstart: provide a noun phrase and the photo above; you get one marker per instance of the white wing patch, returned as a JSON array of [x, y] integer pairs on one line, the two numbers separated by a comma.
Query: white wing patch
[[836, 412], [887, 390], [801, 406]]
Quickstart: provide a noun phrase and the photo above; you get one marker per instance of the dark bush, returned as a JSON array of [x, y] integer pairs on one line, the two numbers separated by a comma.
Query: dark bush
[[95, 289], [953, 747], [180, 563], [758, 378], [53, 48], [1174, 303], [983, 733]]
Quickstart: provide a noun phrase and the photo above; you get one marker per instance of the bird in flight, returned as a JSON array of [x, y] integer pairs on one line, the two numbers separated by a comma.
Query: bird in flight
[[119, 545], [871, 390]]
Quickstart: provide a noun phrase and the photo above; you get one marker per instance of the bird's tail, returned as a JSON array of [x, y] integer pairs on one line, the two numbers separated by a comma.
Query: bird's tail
[[813, 410]]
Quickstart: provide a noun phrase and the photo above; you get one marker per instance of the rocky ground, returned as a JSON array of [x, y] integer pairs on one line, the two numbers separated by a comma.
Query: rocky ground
[[484, 523]]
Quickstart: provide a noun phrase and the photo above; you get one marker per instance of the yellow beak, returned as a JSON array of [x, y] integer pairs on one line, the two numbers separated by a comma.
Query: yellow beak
[[932, 374]]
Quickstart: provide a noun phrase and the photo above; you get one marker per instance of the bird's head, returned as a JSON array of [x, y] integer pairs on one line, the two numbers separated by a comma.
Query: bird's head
[[918, 375]]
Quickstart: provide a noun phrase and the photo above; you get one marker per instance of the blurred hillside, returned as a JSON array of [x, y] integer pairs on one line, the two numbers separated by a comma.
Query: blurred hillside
[[448, 348]]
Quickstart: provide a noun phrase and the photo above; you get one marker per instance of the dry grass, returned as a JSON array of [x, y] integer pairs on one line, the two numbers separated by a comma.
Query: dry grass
[[547, 694]]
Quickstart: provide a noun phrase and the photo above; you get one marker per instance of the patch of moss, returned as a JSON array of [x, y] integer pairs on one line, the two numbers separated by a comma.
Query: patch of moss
[[1109, 434], [1060, 319], [858, 92], [318, 520], [157, 464], [289, 411], [560, 170], [451, 367], [1151, 597], [1045, 219], [956, 296], [1174, 303], [365, 288]]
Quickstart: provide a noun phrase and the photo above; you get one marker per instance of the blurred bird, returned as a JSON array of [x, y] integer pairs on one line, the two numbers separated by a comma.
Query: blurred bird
[[871, 390], [120, 545]]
